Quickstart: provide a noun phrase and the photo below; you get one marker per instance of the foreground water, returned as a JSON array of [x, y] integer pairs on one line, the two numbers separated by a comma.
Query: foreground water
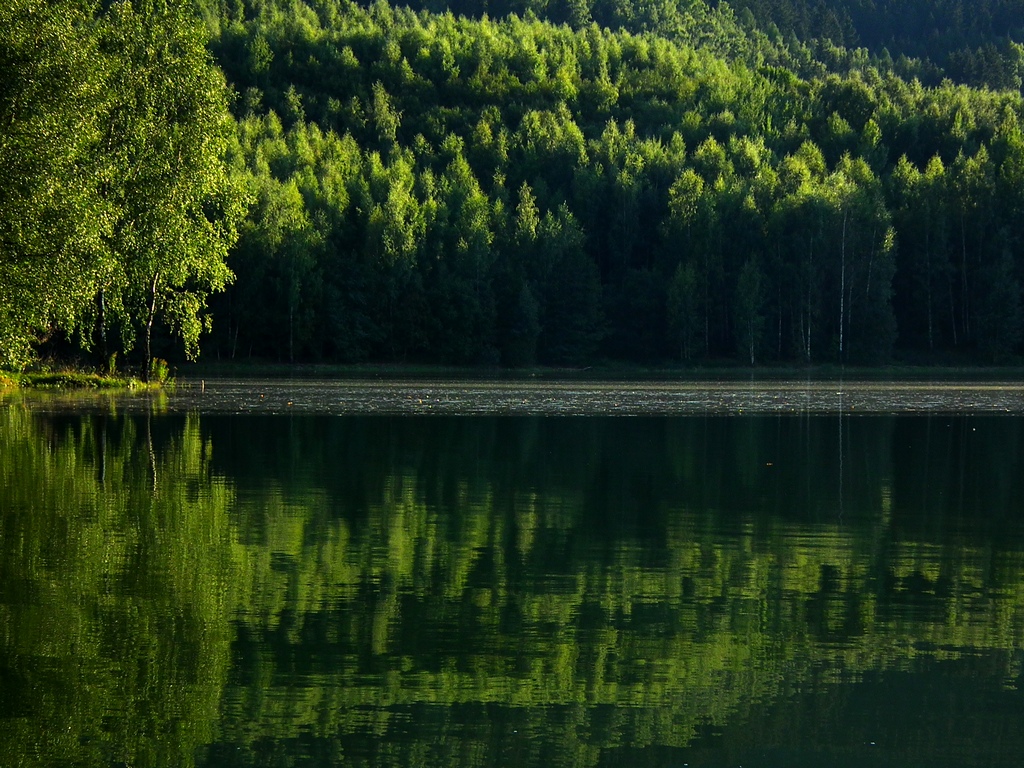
[[319, 574]]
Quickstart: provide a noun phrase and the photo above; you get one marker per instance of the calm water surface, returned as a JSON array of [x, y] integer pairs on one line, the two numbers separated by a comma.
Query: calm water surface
[[514, 574]]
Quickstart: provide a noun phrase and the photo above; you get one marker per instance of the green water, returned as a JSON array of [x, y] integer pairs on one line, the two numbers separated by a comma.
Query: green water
[[190, 589]]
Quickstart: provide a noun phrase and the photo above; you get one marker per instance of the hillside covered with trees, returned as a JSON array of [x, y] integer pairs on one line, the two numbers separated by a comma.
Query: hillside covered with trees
[[565, 182]]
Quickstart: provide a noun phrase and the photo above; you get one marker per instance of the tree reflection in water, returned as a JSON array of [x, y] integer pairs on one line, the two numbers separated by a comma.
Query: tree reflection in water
[[511, 591]]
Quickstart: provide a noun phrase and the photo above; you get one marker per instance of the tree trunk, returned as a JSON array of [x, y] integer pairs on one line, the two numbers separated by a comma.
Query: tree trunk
[[928, 279], [149, 327], [965, 295], [778, 349], [952, 309], [291, 333], [810, 289], [101, 320], [842, 288]]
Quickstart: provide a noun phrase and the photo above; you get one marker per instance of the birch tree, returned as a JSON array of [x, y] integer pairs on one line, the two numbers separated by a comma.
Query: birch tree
[[165, 137]]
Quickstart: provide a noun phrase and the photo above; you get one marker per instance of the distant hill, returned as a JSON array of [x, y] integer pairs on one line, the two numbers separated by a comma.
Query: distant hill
[[975, 42]]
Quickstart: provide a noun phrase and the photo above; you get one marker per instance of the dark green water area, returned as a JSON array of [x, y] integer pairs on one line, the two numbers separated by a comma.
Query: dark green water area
[[182, 586]]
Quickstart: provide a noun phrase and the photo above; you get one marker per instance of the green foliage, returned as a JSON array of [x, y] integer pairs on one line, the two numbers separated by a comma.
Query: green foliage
[[512, 190], [159, 371], [387, 151], [116, 205], [52, 221], [971, 42], [177, 208]]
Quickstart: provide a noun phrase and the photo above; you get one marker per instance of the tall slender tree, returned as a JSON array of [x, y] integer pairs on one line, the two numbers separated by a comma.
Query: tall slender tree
[[165, 135]]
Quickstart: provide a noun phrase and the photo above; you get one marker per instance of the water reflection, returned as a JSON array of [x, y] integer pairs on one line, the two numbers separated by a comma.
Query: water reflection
[[115, 591], [258, 590]]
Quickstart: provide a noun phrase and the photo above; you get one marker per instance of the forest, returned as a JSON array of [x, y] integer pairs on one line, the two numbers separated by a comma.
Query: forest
[[513, 183]]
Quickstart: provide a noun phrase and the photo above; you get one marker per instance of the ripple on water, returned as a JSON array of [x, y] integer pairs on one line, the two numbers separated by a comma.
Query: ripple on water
[[339, 397]]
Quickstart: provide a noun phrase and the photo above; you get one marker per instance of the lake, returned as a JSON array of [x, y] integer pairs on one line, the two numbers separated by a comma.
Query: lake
[[514, 573]]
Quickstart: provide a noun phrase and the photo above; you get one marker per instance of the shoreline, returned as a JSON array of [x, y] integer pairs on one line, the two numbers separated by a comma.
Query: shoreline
[[64, 380], [610, 372], [70, 379]]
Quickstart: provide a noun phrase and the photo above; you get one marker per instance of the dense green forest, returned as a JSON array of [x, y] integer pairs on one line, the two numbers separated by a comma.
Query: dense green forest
[[521, 182]]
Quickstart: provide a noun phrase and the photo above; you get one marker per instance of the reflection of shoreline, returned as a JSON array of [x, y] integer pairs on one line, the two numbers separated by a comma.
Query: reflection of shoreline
[[365, 584], [729, 625], [116, 593], [85, 401], [819, 589], [692, 614]]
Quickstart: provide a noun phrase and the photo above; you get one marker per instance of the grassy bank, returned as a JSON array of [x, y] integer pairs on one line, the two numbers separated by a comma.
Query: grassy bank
[[61, 374], [69, 380]]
